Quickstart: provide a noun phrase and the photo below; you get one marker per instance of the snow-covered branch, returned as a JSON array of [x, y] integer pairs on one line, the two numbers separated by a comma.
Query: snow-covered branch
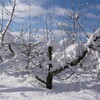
[[74, 63]]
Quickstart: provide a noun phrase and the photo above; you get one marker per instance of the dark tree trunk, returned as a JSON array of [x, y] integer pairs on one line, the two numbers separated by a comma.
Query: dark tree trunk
[[50, 75], [49, 81], [50, 52]]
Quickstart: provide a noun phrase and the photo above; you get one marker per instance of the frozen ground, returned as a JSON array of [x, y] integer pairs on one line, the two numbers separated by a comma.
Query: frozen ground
[[13, 87]]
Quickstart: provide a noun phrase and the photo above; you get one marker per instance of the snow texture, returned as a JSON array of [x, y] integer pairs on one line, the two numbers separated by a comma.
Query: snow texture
[[65, 43], [94, 40], [19, 61], [8, 38], [70, 54], [13, 87]]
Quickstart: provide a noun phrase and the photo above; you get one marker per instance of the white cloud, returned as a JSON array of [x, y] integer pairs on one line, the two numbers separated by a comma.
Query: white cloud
[[35, 10], [96, 7], [23, 10], [39, 2], [91, 15], [59, 11]]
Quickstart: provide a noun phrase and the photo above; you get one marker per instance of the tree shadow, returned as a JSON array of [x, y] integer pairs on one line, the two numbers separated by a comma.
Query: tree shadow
[[2, 86], [58, 87], [21, 89]]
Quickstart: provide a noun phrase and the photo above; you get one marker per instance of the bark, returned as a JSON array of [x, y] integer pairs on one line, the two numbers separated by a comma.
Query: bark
[[11, 49], [50, 52], [40, 80], [49, 81], [50, 75]]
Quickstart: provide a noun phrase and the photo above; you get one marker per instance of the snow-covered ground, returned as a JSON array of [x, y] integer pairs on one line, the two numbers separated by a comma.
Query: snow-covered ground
[[16, 87]]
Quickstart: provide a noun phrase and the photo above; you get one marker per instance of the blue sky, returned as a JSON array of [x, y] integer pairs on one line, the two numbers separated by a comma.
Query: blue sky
[[54, 12]]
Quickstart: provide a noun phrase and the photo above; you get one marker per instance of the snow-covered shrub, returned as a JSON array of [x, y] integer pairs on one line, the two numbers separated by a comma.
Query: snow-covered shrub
[[93, 45], [17, 60]]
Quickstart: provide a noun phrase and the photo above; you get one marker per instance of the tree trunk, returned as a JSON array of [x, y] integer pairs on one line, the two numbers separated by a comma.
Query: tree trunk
[[49, 81], [50, 75]]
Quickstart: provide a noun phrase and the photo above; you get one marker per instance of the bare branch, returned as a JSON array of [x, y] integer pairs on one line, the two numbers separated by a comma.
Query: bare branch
[[9, 22], [82, 28], [40, 80]]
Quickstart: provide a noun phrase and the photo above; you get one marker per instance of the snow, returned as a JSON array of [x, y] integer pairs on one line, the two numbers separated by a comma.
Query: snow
[[65, 43], [71, 53], [8, 38], [19, 61], [94, 40], [20, 57], [74, 51], [53, 44], [16, 82], [15, 87]]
